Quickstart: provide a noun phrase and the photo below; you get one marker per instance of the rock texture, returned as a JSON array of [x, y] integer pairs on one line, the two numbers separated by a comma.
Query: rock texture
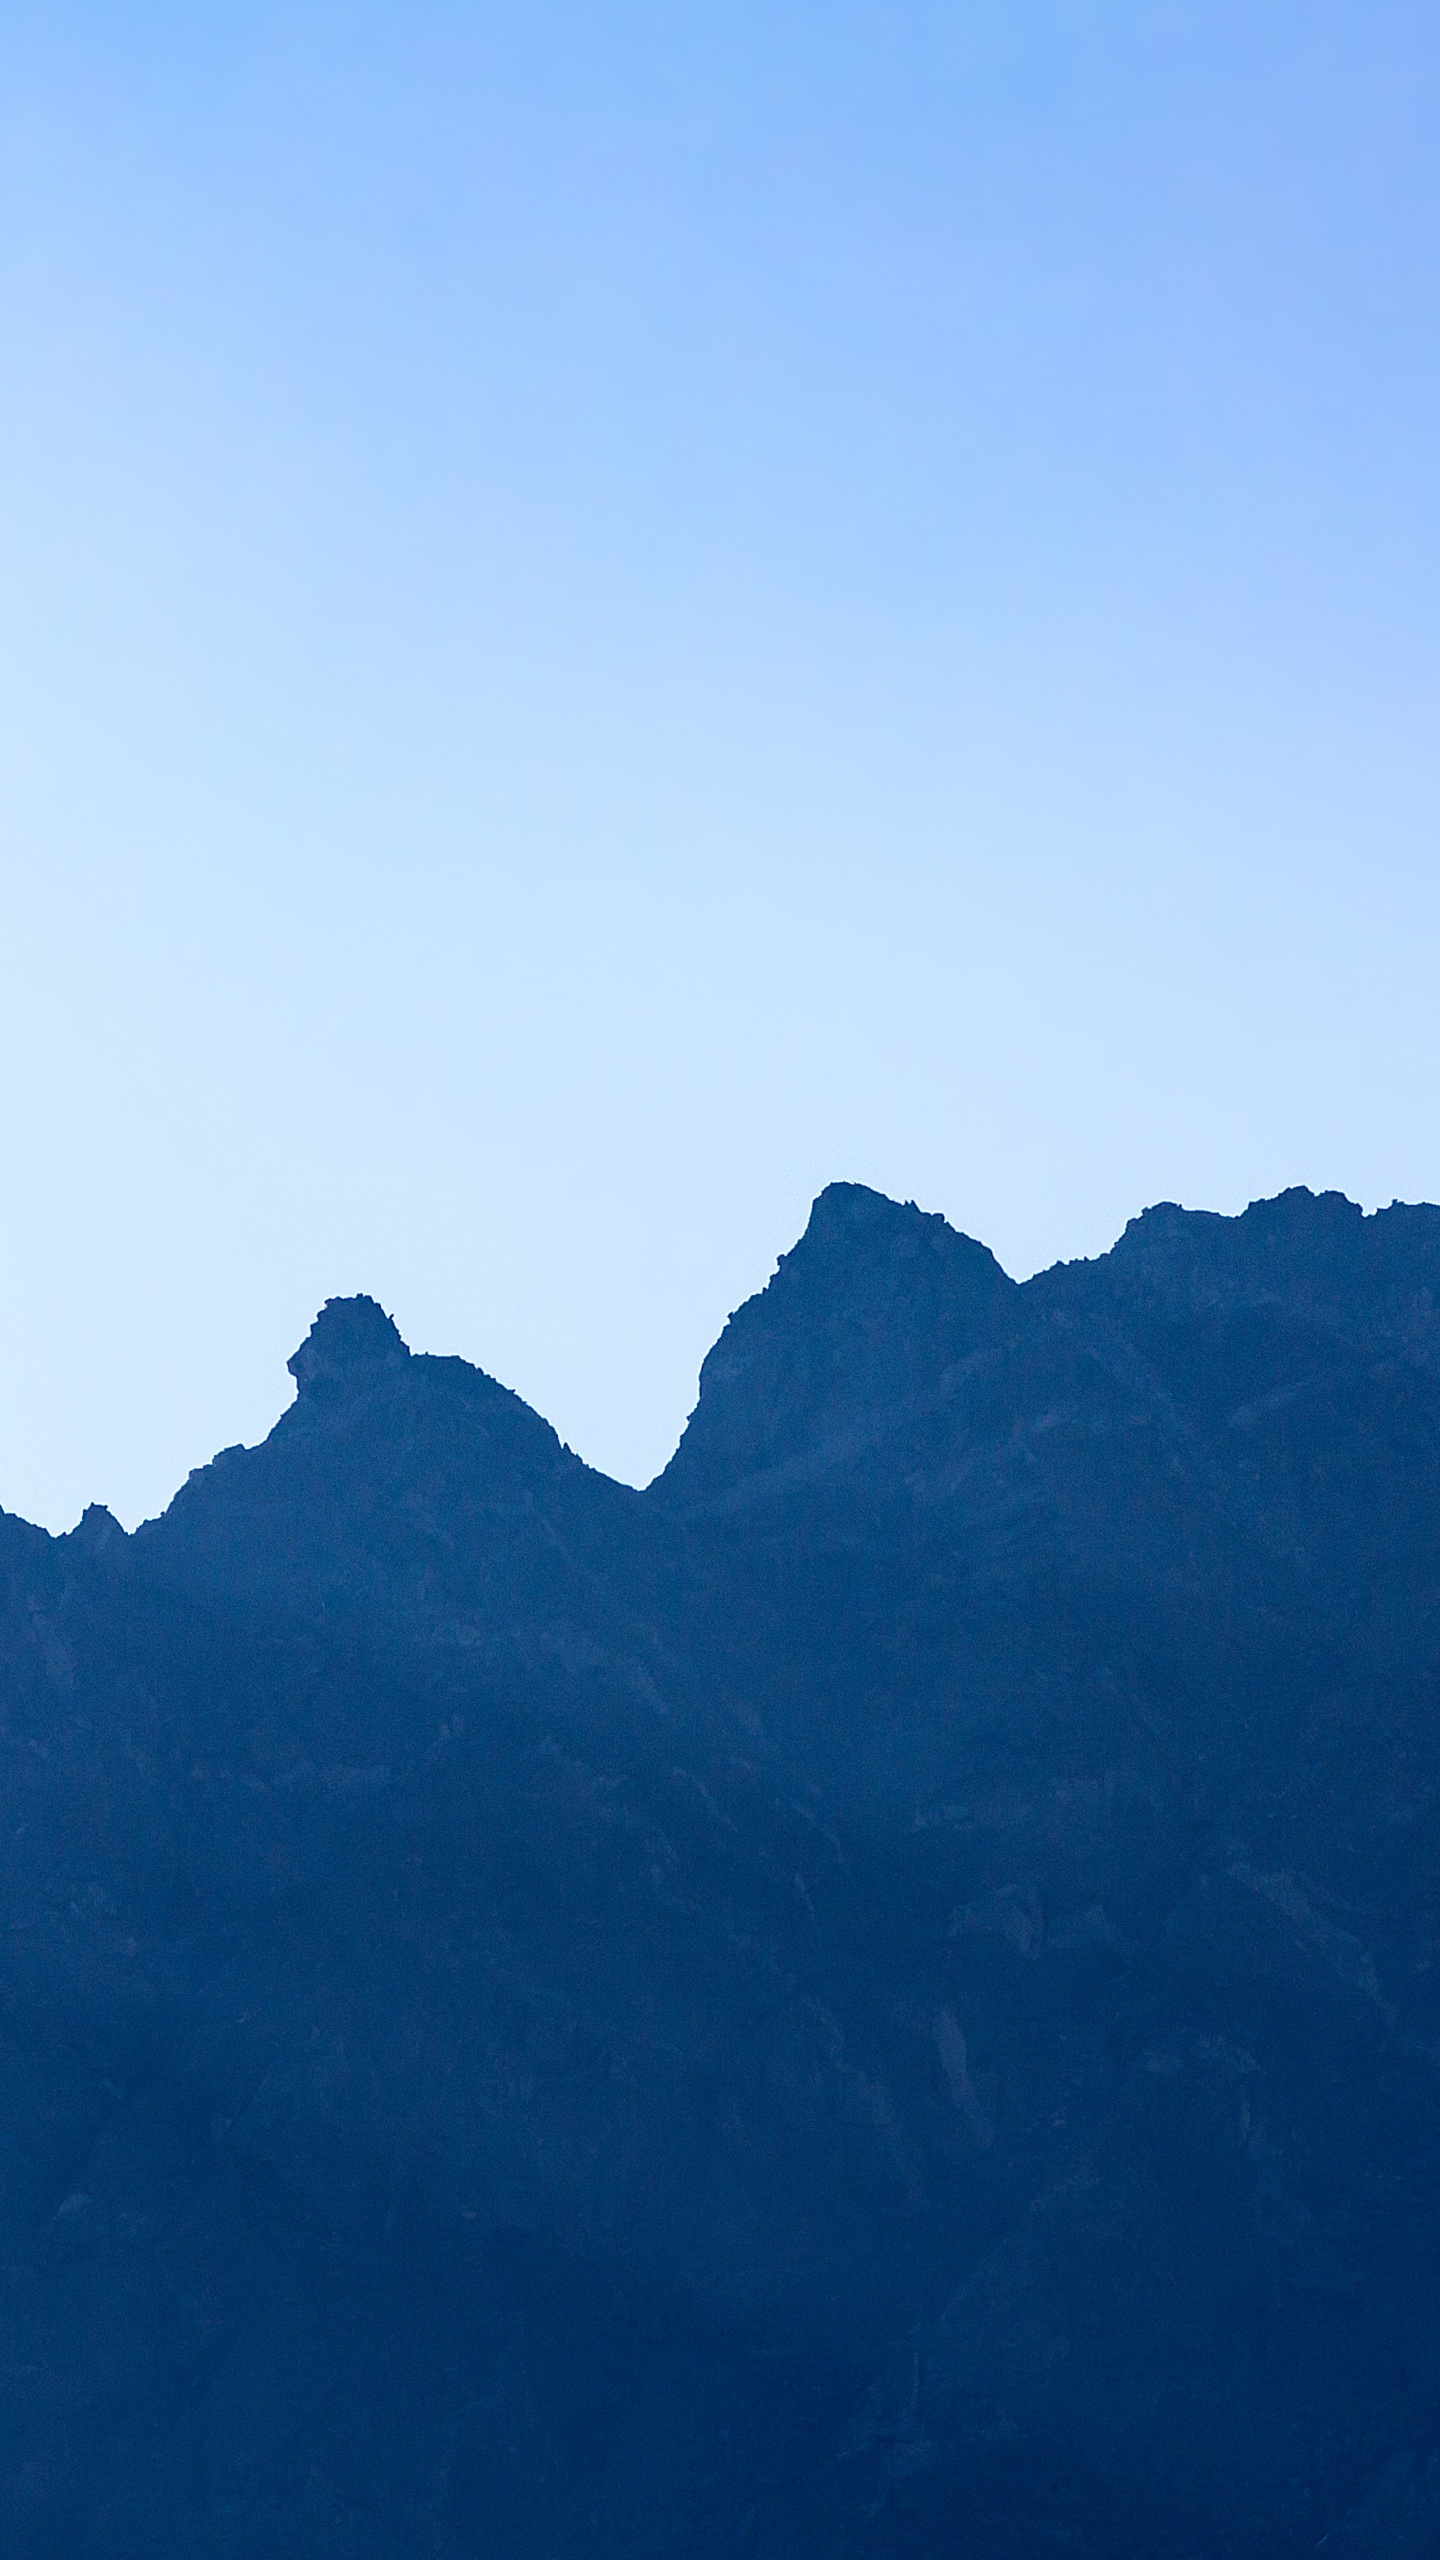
[[880, 1998]]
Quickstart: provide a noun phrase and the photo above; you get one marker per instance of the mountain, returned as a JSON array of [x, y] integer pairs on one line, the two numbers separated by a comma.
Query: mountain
[[880, 1997]]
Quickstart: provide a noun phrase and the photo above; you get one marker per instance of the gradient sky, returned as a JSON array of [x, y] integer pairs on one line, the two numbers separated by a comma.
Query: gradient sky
[[611, 611]]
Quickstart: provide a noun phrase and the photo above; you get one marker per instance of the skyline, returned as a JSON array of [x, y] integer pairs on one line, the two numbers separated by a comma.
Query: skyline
[[604, 624]]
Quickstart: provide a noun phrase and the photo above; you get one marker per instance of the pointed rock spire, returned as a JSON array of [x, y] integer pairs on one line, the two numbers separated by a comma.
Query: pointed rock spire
[[869, 1310], [349, 1340]]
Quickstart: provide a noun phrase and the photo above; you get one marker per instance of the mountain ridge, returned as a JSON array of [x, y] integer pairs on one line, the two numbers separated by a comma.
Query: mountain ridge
[[878, 1995], [1162, 1246]]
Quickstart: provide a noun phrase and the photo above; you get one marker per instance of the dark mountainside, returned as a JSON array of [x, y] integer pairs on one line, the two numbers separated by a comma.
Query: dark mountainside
[[878, 1999]]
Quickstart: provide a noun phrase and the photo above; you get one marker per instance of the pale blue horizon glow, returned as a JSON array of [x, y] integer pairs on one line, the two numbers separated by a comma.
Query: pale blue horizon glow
[[607, 615]]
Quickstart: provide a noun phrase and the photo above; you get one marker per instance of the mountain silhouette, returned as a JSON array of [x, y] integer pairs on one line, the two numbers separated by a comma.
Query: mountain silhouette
[[879, 1997]]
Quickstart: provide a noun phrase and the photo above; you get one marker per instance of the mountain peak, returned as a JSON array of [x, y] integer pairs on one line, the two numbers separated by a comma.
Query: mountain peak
[[844, 1210], [865, 1313], [867, 1228], [1313, 1254], [96, 1529], [1299, 1218], [349, 1339]]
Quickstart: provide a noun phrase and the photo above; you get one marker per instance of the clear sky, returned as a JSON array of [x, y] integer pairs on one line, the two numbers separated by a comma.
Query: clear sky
[[611, 611]]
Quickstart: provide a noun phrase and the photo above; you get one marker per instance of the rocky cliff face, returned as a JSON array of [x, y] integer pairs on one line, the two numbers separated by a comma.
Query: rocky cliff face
[[857, 1332], [878, 1998]]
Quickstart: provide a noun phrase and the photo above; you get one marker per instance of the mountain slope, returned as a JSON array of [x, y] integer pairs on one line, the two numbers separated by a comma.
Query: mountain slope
[[877, 1998]]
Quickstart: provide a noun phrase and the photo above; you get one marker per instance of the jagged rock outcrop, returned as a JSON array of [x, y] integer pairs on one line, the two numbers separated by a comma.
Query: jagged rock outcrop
[[857, 1332]]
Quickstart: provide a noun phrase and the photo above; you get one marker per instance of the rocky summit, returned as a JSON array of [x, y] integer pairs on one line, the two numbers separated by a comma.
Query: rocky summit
[[878, 1999]]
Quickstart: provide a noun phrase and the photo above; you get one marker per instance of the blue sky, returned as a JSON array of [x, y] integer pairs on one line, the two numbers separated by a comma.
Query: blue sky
[[608, 613]]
